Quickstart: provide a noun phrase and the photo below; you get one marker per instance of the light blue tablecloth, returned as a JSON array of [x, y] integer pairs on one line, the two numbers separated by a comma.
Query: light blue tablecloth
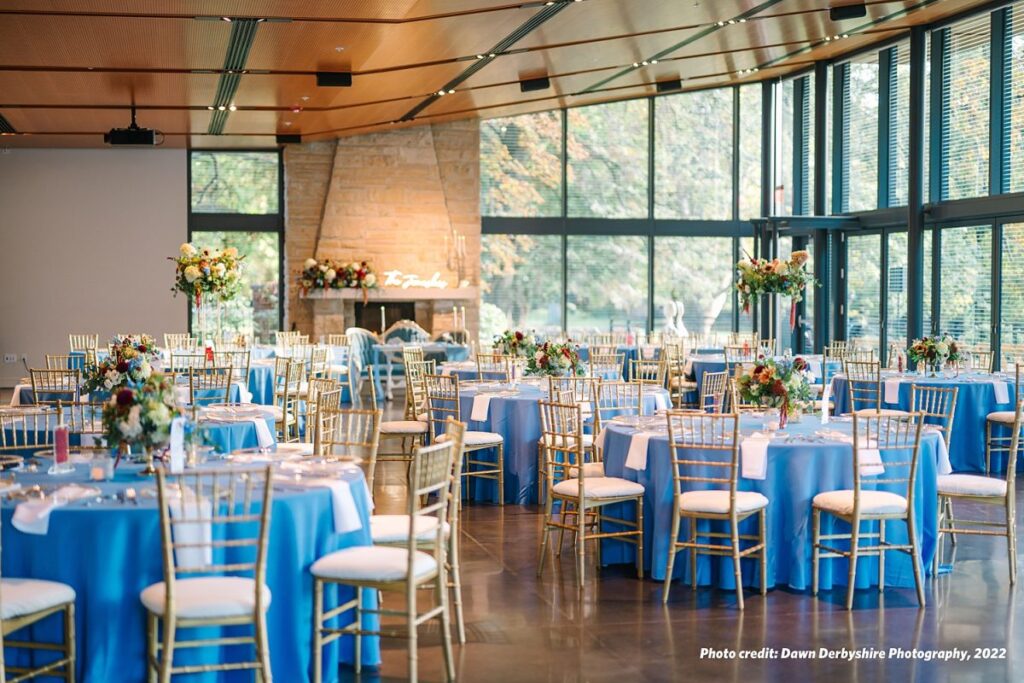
[[517, 419], [110, 552], [975, 399], [796, 472]]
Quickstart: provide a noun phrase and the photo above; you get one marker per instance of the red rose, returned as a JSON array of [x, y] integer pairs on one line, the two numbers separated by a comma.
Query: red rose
[[122, 366], [778, 388], [519, 336], [125, 397], [142, 348], [758, 369], [799, 364]]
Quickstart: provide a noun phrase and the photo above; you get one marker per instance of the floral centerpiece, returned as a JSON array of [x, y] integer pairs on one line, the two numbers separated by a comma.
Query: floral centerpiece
[[207, 272], [934, 352], [140, 414], [786, 277], [515, 343], [113, 373], [328, 274], [556, 359], [784, 385], [129, 346]]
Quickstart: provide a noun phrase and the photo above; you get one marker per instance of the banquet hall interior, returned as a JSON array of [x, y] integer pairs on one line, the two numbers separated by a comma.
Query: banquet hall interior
[[511, 340]]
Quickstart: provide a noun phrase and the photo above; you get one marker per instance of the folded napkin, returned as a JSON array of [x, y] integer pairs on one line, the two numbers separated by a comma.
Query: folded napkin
[[33, 516], [647, 352], [346, 514], [660, 401], [481, 402], [870, 456], [16, 396], [892, 390], [244, 395], [688, 367], [1002, 392], [636, 458], [826, 397], [263, 435], [186, 507], [754, 450]]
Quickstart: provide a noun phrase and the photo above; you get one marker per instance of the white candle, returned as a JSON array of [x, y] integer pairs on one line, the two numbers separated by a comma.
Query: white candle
[[463, 317], [383, 320], [455, 318]]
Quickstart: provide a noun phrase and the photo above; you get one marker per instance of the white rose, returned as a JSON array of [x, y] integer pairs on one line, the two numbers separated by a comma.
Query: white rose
[[219, 269], [192, 274], [187, 249], [231, 252], [356, 265], [310, 263], [324, 269], [942, 348], [330, 275], [370, 279], [132, 427], [145, 370], [215, 253]]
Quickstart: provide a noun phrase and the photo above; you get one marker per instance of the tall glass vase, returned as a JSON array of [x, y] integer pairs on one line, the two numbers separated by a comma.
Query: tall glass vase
[[208, 321]]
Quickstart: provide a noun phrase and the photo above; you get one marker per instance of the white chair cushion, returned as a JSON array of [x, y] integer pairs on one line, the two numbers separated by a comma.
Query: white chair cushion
[[972, 485], [207, 597], [372, 563], [477, 439], [422, 417], [274, 412], [871, 412], [1002, 416], [717, 502], [599, 487], [395, 528], [871, 502], [685, 384], [588, 440], [590, 469], [19, 597], [339, 369], [403, 427]]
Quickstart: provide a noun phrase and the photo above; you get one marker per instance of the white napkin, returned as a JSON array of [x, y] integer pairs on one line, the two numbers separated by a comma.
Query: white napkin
[[599, 441], [754, 450], [346, 514], [814, 367], [481, 402], [185, 507], [660, 401], [16, 396], [647, 352], [33, 516], [1002, 392], [688, 368], [892, 390], [263, 435], [244, 395], [636, 458], [826, 396]]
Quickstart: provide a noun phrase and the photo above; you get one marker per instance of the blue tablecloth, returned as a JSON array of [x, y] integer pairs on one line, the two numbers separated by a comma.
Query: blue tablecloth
[[796, 473], [261, 383], [110, 552], [975, 399], [517, 419], [232, 436], [629, 353]]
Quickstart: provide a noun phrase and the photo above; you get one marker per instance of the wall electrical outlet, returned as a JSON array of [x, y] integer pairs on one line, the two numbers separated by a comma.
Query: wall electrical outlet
[[10, 358]]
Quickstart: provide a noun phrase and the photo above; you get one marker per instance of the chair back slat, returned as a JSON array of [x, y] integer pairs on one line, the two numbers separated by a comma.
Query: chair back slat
[[649, 371], [494, 366], [606, 365], [209, 385], [51, 386], [705, 450], [863, 383], [617, 398], [897, 439], [712, 391], [561, 439], [937, 404], [24, 429]]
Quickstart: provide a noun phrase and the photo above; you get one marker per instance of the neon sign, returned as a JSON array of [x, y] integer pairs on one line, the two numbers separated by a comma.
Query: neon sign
[[396, 278]]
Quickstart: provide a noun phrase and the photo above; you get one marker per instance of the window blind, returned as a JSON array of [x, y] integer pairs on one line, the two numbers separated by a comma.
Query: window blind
[[520, 165], [860, 134], [965, 304], [965, 101]]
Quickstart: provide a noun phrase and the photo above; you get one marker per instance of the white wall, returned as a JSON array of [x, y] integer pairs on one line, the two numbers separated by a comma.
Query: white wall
[[84, 241]]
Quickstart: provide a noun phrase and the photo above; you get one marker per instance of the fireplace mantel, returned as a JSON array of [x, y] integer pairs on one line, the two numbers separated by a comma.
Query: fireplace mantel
[[397, 294]]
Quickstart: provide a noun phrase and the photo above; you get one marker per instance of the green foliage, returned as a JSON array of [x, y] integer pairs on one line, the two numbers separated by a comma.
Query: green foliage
[[234, 182]]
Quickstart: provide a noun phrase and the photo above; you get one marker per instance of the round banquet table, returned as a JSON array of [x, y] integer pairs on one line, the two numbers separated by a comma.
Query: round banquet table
[[800, 465], [976, 398], [110, 551], [516, 416], [715, 362]]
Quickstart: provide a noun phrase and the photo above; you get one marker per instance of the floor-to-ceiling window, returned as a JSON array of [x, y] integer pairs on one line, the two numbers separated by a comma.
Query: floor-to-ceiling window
[[1011, 285], [863, 290], [521, 283], [697, 272], [521, 165], [236, 200], [606, 283], [965, 294]]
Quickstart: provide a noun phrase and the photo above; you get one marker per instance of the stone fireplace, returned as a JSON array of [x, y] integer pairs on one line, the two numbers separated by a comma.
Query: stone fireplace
[[337, 310]]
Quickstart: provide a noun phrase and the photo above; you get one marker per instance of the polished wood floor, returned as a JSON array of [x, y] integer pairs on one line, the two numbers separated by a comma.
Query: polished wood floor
[[521, 628]]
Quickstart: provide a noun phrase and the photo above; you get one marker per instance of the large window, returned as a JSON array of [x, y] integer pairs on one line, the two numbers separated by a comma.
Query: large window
[[965, 304], [785, 102], [965, 99], [693, 155], [522, 284], [698, 272], [606, 283], [1012, 295], [896, 279], [899, 125], [1016, 95], [236, 201], [863, 299], [521, 165], [607, 160], [860, 144], [750, 151]]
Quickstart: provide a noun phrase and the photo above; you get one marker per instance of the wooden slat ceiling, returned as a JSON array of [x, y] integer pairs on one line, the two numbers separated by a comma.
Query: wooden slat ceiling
[[70, 70]]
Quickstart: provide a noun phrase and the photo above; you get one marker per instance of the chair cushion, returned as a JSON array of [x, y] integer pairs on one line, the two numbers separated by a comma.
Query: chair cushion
[[871, 412], [422, 417], [684, 385], [871, 502], [1002, 416], [395, 528], [599, 487], [274, 411], [477, 439], [207, 596], [339, 369], [19, 597], [372, 563], [717, 502], [403, 427], [590, 469], [972, 485], [588, 440]]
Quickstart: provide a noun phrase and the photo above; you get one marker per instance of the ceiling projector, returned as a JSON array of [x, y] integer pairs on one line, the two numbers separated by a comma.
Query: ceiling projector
[[133, 135]]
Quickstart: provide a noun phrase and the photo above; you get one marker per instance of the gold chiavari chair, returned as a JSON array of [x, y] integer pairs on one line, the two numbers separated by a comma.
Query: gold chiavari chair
[[606, 366], [705, 454], [736, 356], [393, 530], [443, 402], [341, 352], [213, 579], [410, 431], [62, 361], [238, 360], [209, 385], [24, 430], [838, 349], [999, 442], [983, 490], [582, 496], [860, 355], [288, 376], [864, 388], [617, 398], [389, 569], [83, 342], [603, 339], [494, 366], [584, 392], [51, 386], [180, 341], [315, 387], [84, 418], [27, 602], [649, 371], [978, 360], [287, 337], [412, 354], [337, 340], [768, 347], [937, 404], [712, 391], [183, 362], [749, 339], [348, 433], [899, 436]]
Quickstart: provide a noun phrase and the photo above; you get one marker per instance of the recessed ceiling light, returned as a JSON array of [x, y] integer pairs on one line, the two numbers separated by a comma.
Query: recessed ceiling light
[[221, 107], [441, 93], [304, 98], [479, 56], [721, 23], [287, 123], [452, 91], [232, 107], [339, 48], [227, 19], [211, 107], [654, 61], [296, 110]]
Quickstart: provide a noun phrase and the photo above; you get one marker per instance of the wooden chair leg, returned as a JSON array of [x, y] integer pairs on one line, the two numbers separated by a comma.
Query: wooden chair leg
[[152, 650], [763, 540], [69, 642], [852, 585], [640, 538], [1011, 542], [446, 626], [736, 570], [359, 625], [691, 527], [263, 673], [167, 658], [501, 474], [881, 555], [815, 549], [672, 552], [916, 559], [318, 619], [544, 534], [581, 544]]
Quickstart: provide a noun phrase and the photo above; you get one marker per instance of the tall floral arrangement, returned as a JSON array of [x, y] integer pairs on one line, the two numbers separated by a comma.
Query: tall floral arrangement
[[140, 414], [129, 346], [328, 274], [515, 343], [207, 273], [934, 350], [114, 372], [777, 384], [777, 276], [557, 359]]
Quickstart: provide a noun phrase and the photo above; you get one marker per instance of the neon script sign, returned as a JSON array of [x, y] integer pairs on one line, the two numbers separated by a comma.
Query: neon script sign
[[396, 278]]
